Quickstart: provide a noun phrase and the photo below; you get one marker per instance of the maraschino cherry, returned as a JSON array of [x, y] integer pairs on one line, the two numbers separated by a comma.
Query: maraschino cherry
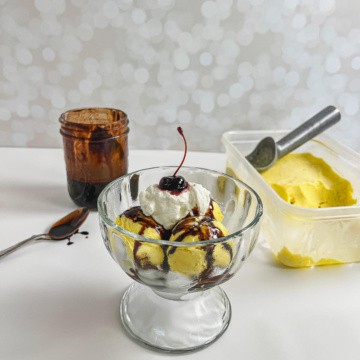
[[175, 184]]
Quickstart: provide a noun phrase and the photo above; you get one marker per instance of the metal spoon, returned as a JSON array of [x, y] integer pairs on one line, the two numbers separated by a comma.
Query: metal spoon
[[60, 230], [267, 152]]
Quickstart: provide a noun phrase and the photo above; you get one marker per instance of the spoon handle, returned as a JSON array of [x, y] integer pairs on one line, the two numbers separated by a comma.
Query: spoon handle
[[21, 244], [308, 130]]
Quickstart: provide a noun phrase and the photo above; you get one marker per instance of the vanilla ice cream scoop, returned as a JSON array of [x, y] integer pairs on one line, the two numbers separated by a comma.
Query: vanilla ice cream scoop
[[197, 260], [145, 255]]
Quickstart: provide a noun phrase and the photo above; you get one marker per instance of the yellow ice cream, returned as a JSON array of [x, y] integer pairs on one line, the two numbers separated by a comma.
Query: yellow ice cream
[[191, 261], [194, 260], [308, 181], [290, 259], [214, 211], [145, 254]]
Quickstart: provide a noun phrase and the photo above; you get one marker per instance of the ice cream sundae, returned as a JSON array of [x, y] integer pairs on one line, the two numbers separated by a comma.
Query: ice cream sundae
[[178, 211], [179, 232]]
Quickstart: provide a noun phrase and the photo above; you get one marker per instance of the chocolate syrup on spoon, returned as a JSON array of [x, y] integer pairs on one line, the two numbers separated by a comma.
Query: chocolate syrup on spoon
[[60, 230]]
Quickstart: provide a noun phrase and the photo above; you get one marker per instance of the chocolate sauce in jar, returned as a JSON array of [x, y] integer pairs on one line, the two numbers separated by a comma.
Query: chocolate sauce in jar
[[85, 193], [95, 149]]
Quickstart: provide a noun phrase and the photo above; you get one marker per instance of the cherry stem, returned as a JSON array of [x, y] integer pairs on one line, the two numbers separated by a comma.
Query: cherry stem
[[180, 131]]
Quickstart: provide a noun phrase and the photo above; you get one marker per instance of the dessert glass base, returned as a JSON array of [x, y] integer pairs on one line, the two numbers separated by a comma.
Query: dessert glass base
[[187, 324]]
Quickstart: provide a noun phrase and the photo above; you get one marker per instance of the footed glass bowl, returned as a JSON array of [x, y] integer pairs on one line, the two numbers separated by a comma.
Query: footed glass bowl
[[175, 303]]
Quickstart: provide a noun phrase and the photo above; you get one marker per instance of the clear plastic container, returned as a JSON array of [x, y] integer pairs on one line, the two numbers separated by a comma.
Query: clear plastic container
[[302, 237]]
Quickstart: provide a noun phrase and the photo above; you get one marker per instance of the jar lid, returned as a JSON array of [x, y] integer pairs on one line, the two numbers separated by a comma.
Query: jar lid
[[94, 123]]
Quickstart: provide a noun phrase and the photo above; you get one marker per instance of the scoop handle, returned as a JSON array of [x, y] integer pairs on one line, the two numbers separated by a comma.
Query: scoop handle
[[321, 121]]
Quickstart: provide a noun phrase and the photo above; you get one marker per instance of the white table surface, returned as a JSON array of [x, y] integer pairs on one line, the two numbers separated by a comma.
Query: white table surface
[[62, 302]]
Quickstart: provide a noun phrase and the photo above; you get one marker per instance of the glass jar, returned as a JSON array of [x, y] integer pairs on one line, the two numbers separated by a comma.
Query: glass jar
[[96, 151]]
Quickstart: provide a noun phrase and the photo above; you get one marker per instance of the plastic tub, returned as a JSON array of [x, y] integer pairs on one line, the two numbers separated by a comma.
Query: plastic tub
[[302, 237]]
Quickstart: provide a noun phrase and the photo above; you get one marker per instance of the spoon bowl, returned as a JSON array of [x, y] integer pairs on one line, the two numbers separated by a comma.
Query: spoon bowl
[[68, 225], [264, 155]]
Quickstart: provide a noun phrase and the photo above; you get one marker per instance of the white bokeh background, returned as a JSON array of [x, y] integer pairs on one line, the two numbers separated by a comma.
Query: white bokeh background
[[209, 66]]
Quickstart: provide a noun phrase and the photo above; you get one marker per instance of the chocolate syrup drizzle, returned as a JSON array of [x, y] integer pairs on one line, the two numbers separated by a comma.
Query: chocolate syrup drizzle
[[86, 233], [195, 227], [189, 226], [136, 215]]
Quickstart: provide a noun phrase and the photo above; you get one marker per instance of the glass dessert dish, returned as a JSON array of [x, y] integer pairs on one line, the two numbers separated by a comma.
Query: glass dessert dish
[[299, 236], [175, 303]]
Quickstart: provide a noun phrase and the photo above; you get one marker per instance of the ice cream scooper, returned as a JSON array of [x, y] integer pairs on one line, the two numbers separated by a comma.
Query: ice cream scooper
[[267, 151]]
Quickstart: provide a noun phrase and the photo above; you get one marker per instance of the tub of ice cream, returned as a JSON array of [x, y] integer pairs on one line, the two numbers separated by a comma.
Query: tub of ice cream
[[317, 223]]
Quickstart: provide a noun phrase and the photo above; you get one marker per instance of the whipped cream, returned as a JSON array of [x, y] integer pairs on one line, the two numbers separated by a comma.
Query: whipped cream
[[167, 208]]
